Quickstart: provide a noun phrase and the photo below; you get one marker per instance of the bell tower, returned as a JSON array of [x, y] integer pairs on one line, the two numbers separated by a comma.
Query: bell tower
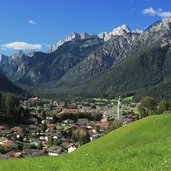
[[119, 109]]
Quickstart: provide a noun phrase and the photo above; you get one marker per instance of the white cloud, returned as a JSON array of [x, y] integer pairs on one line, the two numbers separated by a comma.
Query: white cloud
[[159, 12], [21, 46], [32, 22]]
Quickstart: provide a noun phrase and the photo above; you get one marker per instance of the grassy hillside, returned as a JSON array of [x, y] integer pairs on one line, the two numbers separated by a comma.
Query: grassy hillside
[[142, 145]]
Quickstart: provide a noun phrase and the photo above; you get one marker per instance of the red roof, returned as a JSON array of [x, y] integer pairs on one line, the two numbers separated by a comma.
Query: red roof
[[104, 123], [8, 143]]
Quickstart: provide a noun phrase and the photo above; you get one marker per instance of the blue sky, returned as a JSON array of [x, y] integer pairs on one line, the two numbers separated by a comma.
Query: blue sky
[[40, 23]]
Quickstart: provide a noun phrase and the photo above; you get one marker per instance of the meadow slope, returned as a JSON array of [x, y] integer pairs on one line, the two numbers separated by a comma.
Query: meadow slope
[[143, 145]]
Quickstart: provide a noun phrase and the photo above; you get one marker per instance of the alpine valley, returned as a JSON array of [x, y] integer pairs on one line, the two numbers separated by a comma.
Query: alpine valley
[[121, 62]]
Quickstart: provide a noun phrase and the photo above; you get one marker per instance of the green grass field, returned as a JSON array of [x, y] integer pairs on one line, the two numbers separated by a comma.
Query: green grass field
[[144, 145]]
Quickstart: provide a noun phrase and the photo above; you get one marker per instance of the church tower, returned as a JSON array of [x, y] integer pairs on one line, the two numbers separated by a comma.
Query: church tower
[[119, 109]]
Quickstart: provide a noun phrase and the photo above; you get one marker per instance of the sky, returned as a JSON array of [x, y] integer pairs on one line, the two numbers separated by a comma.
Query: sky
[[37, 24]]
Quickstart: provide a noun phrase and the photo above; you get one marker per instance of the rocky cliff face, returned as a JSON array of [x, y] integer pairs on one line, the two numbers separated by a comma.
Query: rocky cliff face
[[119, 31], [38, 67], [70, 37], [158, 34], [105, 57]]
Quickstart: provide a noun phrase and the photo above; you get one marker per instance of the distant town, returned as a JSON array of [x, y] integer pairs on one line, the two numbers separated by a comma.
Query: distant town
[[54, 127]]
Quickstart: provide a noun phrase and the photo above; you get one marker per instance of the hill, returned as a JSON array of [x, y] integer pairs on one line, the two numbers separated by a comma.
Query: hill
[[142, 145]]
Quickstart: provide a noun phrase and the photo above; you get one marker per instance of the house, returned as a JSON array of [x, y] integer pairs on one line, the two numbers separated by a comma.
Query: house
[[8, 143], [103, 125], [65, 144], [34, 143], [50, 125], [68, 121], [54, 133], [82, 122], [43, 138], [103, 119], [32, 152], [54, 150], [17, 154], [93, 135], [69, 110], [74, 128], [89, 127], [71, 149], [11, 154], [49, 120], [2, 139], [44, 143]]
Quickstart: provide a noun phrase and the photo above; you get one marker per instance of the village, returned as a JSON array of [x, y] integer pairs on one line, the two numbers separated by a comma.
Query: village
[[53, 127]]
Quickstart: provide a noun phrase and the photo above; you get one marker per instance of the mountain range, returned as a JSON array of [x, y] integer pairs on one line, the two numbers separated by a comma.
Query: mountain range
[[119, 62]]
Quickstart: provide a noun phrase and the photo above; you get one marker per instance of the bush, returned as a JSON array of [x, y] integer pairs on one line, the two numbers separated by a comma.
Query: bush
[[113, 126]]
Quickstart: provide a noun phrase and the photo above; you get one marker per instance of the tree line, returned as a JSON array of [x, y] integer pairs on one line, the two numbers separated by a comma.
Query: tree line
[[149, 106], [76, 116], [10, 108]]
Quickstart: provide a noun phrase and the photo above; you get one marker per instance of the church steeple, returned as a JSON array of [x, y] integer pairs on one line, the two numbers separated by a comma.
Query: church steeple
[[119, 109]]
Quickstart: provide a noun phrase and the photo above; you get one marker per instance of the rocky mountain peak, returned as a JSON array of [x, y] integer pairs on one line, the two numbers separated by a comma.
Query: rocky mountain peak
[[70, 37], [18, 55], [166, 20], [163, 25], [137, 31], [119, 31], [84, 35]]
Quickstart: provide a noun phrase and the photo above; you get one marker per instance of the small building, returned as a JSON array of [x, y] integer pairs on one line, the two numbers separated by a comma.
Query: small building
[[54, 150], [49, 118], [68, 121], [8, 143], [32, 152], [82, 122], [71, 149]]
